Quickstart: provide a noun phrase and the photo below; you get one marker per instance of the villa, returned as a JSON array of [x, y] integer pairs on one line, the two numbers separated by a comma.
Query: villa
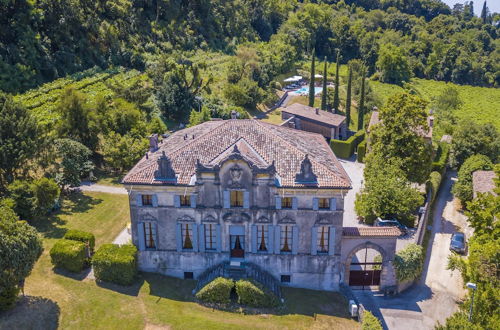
[[249, 193]]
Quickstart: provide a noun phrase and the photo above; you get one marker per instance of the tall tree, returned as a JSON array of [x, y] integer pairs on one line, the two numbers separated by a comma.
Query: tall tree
[[393, 65], [311, 81], [73, 162], [484, 13], [324, 94], [348, 98], [336, 99], [18, 138], [361, 105]]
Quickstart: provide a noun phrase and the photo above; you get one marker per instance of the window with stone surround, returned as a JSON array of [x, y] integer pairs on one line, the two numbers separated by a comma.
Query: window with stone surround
[[147, 200], [286, 202], [262, 238], [286, 238], [236, 197], [187, 236], [210, 236], [323, 239], [324, 203], [185, 200], [150, 235]]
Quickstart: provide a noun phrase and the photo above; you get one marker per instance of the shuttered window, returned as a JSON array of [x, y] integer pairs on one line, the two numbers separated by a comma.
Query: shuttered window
[[150, 235], [262, 238], [147, 200], [286, 203], [286, 239], [324, 203], [210, 236], [187, 236], [323, 239], [185, 200], [236, 198]]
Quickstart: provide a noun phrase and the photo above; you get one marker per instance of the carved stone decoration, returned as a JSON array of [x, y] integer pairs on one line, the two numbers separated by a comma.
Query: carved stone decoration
[[286, 220], [185, 218], [263, 220], [147, 217], [165, 172], [306, 174], [235, 181], [236, 217], [209, 218], [324, 221]]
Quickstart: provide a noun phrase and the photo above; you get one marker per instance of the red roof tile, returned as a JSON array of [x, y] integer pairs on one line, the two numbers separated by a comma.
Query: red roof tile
[[371, 231], [305, 111]]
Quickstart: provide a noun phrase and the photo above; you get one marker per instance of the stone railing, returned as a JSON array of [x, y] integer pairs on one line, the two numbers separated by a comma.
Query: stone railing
[[210, 274], [263, 277]]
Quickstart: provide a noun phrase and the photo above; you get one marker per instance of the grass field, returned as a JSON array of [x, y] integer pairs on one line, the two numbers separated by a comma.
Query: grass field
[[59, 300]]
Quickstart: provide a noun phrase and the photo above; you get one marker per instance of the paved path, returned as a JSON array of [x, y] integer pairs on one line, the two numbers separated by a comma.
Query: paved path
[[355, 172], [123, 238], [90, 186], [435, 296]]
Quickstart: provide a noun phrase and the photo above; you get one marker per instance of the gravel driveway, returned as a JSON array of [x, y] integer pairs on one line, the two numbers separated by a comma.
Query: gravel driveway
[[355, 172]]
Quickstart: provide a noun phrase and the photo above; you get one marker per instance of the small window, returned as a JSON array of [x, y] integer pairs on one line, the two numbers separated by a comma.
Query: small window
[[286, 203], [210, 236], [150, 235], [324, 203], [323, 239], [262, 238], [236, 198], [187, 236], [286, 278], [286, 239], [188, 275], [185, 200], [147, 200]]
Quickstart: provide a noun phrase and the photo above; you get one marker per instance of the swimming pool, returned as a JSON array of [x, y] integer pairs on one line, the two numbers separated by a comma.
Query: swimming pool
[[305, 91]]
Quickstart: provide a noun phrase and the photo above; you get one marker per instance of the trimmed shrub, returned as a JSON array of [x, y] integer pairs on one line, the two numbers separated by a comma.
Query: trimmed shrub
[[115, 263], [345, 149], [70, 255], [253, 294], [82, 236], [361, 151], [434, 183], [409, 262], [441, 158], [218, 291], [370, 322]]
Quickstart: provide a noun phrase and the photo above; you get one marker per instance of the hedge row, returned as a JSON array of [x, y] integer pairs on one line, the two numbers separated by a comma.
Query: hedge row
[[82, 236], [441, 158], [434, 183], [345, 149], [253, 294], [361, 151], [116, 263], [218, 291], [70, 255]]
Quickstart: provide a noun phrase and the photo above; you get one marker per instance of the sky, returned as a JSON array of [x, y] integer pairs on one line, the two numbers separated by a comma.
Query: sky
[[493, 5]]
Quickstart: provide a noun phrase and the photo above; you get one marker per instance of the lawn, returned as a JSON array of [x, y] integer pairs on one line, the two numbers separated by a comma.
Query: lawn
[[56, 299]]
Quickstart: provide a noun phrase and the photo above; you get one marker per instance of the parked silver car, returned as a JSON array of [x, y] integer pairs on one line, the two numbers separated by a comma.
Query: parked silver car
[[458, 243]]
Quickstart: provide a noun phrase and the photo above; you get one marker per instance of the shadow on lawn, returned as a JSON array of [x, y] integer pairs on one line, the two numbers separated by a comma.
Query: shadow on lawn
[[76, 276], [31, 313], [132, 290]]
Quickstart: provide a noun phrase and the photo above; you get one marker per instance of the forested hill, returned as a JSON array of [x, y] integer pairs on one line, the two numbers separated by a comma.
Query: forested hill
[[46, 39]]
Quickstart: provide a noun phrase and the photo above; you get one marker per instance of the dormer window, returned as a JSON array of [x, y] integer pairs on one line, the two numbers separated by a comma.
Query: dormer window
[[286, 202], [324, 203], [185, 200], [147, 200], [236, 197]]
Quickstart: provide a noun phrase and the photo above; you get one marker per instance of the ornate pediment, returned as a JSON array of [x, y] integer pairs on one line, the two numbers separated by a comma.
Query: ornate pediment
[[263, 220], [147, 217], [165, 172], [185, 218], [234, 180], [306, 175], [210, 218], [324, 221], [286, 220], [236, 217]]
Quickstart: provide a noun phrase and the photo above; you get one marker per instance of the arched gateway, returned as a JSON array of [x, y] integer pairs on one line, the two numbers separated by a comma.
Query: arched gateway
[[373, 273]]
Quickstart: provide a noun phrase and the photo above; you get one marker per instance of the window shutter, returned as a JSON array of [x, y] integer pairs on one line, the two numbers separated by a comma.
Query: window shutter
[[193, 200], [277, 242], [226, 199], [246, 199], [218, 238], [331, 241], [201, 233], [333, 204], [138, 199], [195, 237], [178, 237], [155, 200], [254, 239], [295, 203], [155, 235], [295, 239], [270, 238], [177, 201], [140, 236], [278, 203], [314, 241], [315, 204]]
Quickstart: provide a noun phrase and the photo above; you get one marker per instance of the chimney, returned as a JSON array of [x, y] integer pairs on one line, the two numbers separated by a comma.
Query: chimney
[[234, 114], [153, 142], [317, 111]]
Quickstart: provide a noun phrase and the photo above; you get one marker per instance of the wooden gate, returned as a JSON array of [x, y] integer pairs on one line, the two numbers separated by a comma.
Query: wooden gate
[[364, 277]]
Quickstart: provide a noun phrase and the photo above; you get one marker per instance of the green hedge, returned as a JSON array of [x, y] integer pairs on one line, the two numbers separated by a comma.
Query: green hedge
[[82, 236], [409, 262], [434, 183], [69, 255], [361, 151], [345, 149], [115, 263], [218, 291], [441, 158], [253, 294], [370, 322]]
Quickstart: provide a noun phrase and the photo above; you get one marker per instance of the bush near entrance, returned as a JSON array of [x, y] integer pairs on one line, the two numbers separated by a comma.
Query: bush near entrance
[[345, 149], [116, 263], [82, 236], [218, 291], [370, 322], [70, 255], [408, 262], [253, 294]]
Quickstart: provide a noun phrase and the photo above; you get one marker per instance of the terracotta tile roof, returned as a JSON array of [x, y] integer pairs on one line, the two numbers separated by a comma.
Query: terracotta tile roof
[[305, 111], [260, 142], [375, 119], [371, 231], [483, 182]]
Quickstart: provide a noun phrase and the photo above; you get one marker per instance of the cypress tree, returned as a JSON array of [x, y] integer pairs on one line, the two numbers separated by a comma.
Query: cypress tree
[[484, 13], [311, 83], [348, 98], [361, 106], [324, 96], [336, 99]]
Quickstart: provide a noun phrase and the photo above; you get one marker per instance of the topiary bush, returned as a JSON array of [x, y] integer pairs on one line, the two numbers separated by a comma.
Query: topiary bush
[[361, 151], [115, 263], [345, 149], [441, 158], [370, 322], [82, 236], [253, 294], [70, 255], [218, 291]]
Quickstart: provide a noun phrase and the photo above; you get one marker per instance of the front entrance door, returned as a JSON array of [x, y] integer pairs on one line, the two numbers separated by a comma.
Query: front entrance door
[[237, 246], [364, 277]]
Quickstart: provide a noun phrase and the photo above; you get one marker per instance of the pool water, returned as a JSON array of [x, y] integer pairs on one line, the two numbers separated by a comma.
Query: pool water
[[305, 91]]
